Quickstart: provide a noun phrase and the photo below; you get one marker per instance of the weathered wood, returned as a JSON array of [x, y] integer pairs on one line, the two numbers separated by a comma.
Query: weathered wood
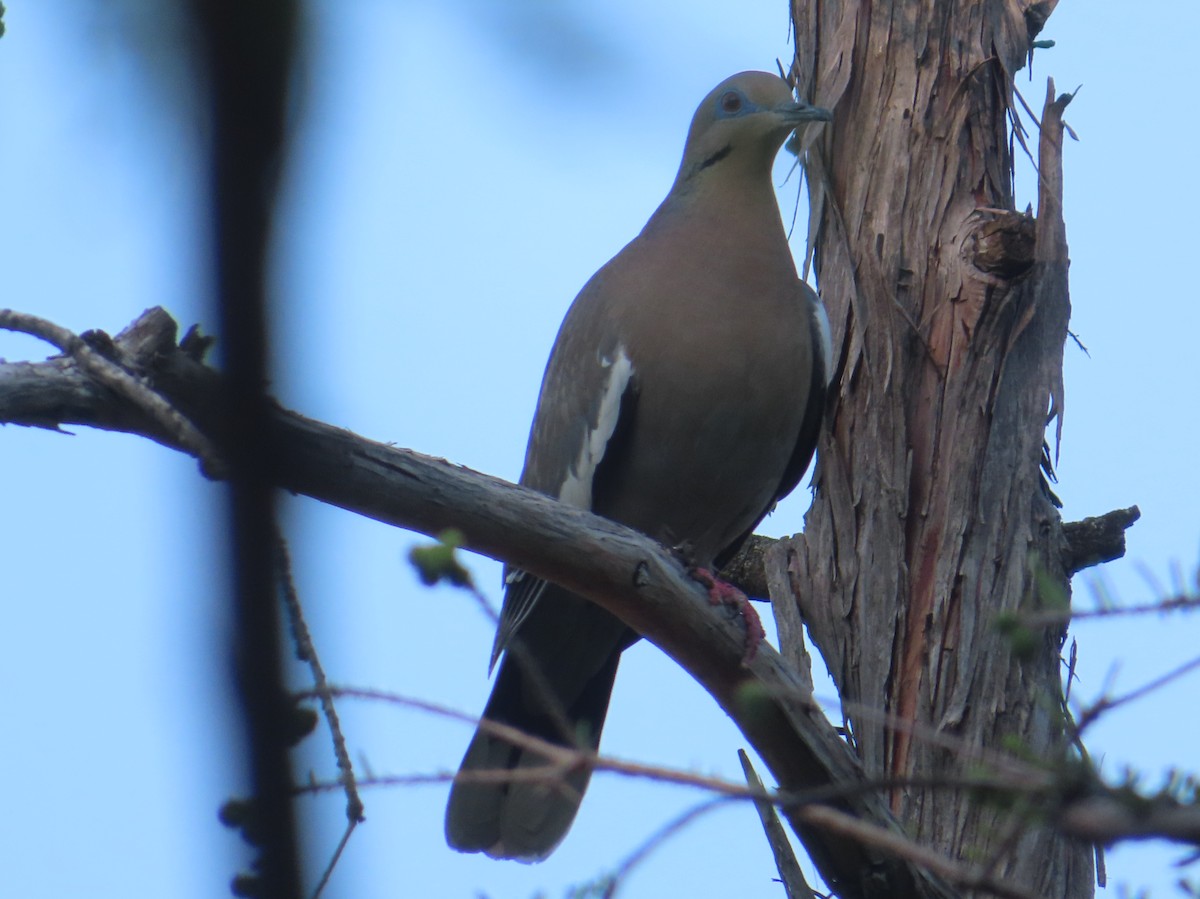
[[1097, 539], [629, 574], [856, 841], [949, 317]]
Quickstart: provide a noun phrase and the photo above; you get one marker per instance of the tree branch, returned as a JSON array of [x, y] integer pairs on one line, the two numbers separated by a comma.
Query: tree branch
[[1098, 539], [625, 572]]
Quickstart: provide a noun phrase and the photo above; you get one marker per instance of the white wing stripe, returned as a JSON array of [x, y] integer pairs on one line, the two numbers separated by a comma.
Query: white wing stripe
[[577, 487], [821, 317]]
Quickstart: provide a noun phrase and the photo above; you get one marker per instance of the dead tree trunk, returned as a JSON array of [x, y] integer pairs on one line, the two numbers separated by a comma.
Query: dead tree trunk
[[949, 314]]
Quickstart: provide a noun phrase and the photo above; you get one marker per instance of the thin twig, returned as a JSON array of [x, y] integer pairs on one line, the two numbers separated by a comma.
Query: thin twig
[[1019, 778], [1071, 675], [664, 833], [790, 874], [1051, 618], [1011, 773], [559, 758], [307, 652], [337, 854], [1107, 705]]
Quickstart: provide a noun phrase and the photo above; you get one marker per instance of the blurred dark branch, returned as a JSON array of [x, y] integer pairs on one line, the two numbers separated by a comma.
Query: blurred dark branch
[[245, 50], [1111, 818]]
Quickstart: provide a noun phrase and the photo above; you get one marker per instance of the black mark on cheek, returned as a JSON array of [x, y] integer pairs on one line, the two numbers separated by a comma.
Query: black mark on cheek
[[716, 157]]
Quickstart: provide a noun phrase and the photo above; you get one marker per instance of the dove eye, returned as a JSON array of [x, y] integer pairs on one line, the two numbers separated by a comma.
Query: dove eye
[[731, 103]]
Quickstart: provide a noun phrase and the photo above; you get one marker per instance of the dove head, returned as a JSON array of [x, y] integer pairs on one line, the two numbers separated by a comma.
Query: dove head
[[740, 126]]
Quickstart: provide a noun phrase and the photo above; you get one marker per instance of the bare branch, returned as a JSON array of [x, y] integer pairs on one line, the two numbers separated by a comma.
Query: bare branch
[[670, 829], [1098, 539], [351, 825], [1054, 618], [125, 383], [790, 874], [614, 566], [622, 570], [1107, 705], [307, 652], [1108, 818]]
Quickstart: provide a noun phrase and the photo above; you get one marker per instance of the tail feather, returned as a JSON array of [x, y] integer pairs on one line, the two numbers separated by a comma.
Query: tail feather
[[526, 821]]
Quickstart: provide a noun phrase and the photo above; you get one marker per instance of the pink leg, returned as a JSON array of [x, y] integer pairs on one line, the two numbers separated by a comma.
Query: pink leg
[[723, 593]]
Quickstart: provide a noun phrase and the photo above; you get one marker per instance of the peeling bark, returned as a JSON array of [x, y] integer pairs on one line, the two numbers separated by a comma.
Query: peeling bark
[[949, 312]]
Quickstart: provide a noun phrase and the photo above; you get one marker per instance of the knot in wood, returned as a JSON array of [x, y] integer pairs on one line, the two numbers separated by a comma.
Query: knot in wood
[[1003, 247]]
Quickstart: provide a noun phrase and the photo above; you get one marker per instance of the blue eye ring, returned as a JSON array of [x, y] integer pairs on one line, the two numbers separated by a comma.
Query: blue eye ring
[[734, 103]]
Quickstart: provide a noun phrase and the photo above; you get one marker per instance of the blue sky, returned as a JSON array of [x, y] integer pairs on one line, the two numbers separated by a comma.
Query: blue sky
[[454, 185]]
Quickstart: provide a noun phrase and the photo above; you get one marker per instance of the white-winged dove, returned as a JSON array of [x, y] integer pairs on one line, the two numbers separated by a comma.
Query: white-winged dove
[[683, 397]]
